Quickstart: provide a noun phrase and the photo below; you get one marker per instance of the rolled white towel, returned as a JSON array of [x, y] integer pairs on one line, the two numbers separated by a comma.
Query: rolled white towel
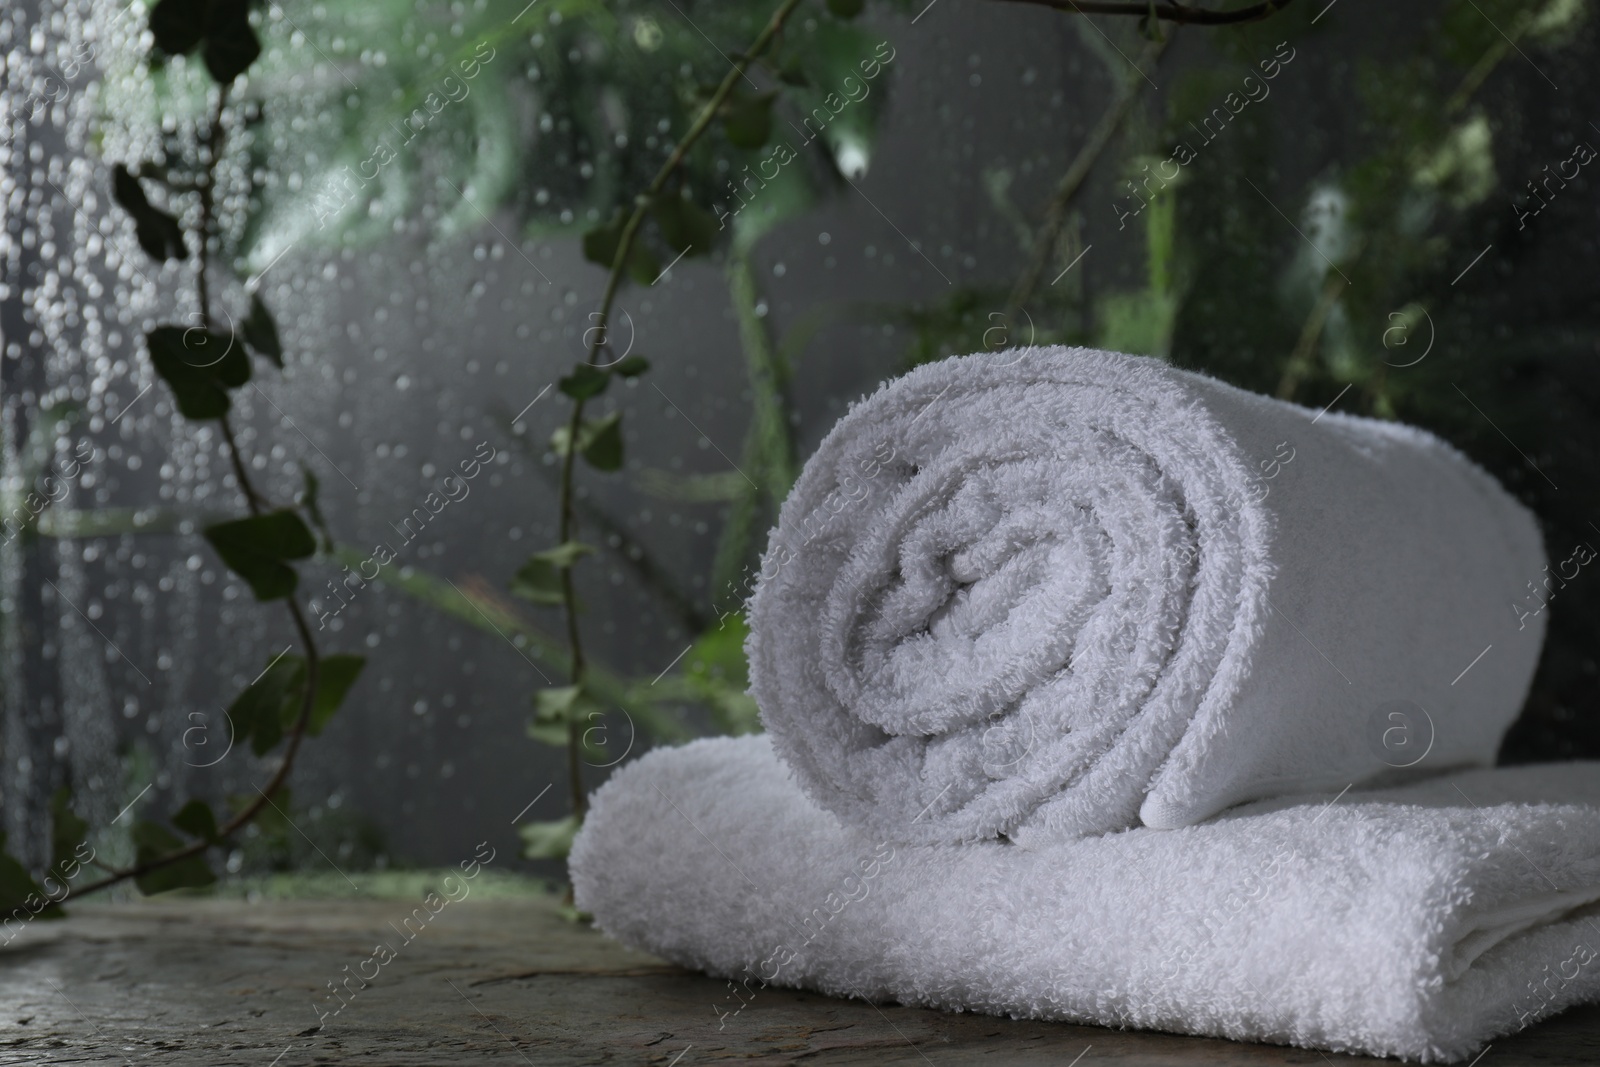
[[1417, 922], [1057, 591]]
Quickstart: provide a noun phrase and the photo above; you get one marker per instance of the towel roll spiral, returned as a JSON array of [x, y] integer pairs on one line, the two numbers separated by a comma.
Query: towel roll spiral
[[1051, 592]]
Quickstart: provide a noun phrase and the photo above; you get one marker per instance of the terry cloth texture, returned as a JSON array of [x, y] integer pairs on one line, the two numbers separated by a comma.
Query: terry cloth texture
[[1420, 921], [1055, 592]]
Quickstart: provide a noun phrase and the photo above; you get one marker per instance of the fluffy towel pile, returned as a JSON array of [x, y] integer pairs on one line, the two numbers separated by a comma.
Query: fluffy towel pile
[[1016, 603], [1418, 923], [1057, 592]]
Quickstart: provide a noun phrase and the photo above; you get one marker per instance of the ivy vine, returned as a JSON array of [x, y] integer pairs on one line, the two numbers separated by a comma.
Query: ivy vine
[[296, 695]]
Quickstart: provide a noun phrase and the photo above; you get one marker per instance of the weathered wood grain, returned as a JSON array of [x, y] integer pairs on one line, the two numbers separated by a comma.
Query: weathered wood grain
[[506, 981]]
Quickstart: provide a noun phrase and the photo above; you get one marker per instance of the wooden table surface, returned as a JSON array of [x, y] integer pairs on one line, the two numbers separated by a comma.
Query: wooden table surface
[[181, 981]]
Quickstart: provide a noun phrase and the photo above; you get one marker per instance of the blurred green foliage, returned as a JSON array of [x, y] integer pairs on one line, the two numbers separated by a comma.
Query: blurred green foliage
[[362, 118], [1412, 164]]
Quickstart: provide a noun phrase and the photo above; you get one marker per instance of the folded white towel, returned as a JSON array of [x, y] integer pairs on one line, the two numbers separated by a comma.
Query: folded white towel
[[1058, 591], [1417, 922]]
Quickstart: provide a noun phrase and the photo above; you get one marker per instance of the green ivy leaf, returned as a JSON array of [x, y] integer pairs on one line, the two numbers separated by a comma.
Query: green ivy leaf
[[178, 25], [630, 367], [600, 244], [687, 227], [196, 820], [643, 267], [538, 582], [584, 382], [565, 554], [335, 675], [846, 9], [154, 841], [16, 886], [257, 712], [539, 579], [272, 820], [256, 550], [231, 45], [67, 830], [269, 706], [555, 710], [222, 26], [600, 247], [261, 333], [747, 120], [600, 442], [792, 72], [547, 733], [719, 653], [557, 703], [549, 840], [199, 366], [158, 233], [309, 491], [1150, 27], [717, 675]]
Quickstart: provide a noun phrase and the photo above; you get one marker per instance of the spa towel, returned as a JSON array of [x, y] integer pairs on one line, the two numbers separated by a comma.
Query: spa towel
[[1053, 592], [1417, 922]]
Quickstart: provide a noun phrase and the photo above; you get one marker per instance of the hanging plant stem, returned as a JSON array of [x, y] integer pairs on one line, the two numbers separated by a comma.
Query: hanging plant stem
[[258, 504], [1049, 235], [567, 520], [295, 696]]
